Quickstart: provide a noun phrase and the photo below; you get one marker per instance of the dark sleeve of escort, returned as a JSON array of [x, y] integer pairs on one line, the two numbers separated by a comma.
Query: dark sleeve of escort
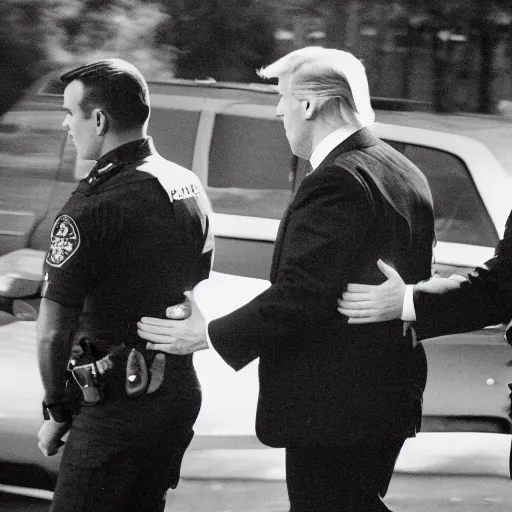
[[326, 231], [484, 299]]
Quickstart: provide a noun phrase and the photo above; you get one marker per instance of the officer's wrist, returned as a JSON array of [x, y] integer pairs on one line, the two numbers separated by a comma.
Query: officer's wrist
[[61, 412]]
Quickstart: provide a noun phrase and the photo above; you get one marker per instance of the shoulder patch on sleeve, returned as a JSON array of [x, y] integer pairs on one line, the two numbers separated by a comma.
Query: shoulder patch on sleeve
[[65, 241]]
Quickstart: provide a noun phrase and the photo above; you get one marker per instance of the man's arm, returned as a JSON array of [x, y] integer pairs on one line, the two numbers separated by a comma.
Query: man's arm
[[55, 328], [440, 306], [484, 298], [443, 306], [67, 276], [474, 303], [325, 232], [391, 300]]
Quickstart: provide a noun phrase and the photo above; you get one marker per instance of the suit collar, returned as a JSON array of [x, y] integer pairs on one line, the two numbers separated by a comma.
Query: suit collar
[[363, 138], [327, 144]]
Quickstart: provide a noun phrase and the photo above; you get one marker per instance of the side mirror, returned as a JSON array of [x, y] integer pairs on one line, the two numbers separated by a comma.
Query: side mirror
[[22, 309], [21, 276]]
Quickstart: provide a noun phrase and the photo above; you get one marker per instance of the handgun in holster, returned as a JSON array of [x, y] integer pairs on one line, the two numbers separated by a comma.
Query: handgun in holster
[[90, 375], [87, 377]]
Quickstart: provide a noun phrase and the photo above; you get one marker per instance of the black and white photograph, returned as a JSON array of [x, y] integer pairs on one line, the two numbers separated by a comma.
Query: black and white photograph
[[254, 256]]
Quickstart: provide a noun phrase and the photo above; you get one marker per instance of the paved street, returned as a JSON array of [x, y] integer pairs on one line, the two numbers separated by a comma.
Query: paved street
[[408, 493], [247, 477]]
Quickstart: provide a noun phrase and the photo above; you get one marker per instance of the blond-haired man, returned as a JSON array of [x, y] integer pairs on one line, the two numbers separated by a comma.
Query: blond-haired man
[[340, 398]]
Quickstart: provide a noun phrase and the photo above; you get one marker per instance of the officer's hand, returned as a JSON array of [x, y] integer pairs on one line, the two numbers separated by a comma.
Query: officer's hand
[[364, 303], [179, 336], [50, 436]]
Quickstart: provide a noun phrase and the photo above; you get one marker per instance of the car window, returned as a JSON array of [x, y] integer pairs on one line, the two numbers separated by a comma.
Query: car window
[[250, 167], [174, 133], [399, 146], [461, 216]]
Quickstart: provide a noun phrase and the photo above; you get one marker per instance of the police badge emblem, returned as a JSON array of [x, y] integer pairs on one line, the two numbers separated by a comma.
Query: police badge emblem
[[65, 240]]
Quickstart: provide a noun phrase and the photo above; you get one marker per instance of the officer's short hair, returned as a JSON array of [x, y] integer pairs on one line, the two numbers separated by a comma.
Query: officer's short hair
[[115, 86], [326, 73]]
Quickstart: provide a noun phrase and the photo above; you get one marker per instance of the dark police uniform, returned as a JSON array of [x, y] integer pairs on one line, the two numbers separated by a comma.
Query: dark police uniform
[[132, 238]]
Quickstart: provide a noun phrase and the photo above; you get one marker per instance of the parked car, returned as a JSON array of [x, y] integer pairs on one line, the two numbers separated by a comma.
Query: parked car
[[229, 136]]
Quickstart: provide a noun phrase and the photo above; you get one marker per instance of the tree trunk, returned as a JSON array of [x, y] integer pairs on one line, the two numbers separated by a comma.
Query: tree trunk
[[439, 68], [342, 23], [381, 53], [409, 63], [486, 75]]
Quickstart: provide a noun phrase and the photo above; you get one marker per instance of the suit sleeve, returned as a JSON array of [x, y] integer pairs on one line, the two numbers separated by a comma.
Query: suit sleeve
[[484, 299], [326, 232]]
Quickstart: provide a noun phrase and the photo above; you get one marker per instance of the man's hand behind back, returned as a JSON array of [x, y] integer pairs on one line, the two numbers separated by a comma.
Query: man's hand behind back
[[184, 332], [366, 303]]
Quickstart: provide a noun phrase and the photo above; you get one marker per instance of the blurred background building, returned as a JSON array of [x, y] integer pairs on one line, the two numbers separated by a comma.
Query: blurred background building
[[426, 54]]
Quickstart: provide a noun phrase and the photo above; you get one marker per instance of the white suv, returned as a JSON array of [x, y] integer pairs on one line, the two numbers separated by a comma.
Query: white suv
[[228, 134]]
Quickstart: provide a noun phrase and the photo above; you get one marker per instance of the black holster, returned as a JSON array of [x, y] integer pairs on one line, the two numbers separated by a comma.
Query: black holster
[[91, 374]]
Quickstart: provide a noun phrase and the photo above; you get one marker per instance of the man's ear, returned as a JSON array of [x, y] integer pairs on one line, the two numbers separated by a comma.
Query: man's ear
[[311, 107], [101, 122]]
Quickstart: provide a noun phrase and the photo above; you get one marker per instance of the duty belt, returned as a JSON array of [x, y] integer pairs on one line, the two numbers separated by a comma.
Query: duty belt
[[138, 379]]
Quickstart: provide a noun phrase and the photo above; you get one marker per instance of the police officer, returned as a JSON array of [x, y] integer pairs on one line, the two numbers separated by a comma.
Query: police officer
[[133, 237]]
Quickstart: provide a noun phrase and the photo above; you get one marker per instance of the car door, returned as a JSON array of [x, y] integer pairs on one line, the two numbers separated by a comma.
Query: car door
[[468, 373]]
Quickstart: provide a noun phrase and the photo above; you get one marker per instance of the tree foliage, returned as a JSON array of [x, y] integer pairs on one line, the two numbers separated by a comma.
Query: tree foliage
[[221, 39], [39, 35], [22, 56], [229, 39], [91, 30], [483, 24]]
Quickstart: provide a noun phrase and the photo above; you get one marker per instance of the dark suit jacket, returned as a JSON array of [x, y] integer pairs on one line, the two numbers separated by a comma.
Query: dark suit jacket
[[323, 381], [484, 299]]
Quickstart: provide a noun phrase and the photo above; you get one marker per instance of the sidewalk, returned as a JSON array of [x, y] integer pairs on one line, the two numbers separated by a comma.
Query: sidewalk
[[407, 493], [455, 472], [430, 453], [436, 472]]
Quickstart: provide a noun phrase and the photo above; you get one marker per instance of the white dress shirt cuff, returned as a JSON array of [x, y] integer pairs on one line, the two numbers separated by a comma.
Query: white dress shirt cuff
[[408, 311]]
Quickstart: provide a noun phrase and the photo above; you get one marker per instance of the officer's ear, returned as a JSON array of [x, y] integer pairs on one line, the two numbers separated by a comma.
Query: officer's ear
[[101, 122]]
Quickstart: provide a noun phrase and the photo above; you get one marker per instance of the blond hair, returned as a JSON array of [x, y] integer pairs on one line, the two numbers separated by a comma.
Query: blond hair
[[327, 73]]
